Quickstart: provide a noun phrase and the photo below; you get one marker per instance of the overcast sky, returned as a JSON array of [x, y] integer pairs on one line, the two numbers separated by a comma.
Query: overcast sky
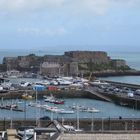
[[110, 25]]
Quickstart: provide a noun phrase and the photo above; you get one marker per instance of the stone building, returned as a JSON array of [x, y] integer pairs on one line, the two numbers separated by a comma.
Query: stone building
[[117, 63], [53, 68], [55, 65], [73, 68], [30, 61], [50, 68], [24, 62], [71, 63], [86, 56], [10, 62]]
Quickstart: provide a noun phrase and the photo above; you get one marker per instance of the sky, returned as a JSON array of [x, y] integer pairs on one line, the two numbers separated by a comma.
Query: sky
[[108, 25]]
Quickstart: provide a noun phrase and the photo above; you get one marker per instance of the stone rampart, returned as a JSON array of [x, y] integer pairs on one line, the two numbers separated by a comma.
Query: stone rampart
[[71, 63], [85, 56]]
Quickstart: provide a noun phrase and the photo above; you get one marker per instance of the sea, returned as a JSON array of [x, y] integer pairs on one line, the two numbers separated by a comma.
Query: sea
[[133, 60], [106, 110]]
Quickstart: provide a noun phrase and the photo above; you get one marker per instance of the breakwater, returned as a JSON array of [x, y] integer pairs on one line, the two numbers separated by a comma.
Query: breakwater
[[117, 93], [120, 99], [120, 84], [116, 73], [124, 101]]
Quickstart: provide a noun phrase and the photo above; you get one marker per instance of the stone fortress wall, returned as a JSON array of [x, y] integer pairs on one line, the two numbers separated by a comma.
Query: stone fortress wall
[[67, 64]]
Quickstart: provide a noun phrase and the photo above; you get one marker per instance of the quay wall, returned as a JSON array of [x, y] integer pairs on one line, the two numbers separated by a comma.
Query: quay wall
[[120, 84], [119, 100], [127, 102], [40, 94], [57, 94], [97, 125], [116, 73]]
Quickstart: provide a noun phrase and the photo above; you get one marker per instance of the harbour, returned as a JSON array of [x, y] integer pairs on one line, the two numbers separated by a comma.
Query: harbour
[[80, 97], [81, 104], [97, 107], [70, 70]]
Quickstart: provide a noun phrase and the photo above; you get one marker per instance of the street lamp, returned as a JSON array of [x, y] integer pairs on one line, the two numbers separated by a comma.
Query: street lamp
[[92, 124], [11, 123]]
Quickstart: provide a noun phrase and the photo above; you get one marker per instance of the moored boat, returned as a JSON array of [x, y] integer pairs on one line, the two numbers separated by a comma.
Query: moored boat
[[62, 111], [27, 97], [85, 109], [49, 98], [92, 110], [58, 102], [12, 107], [52, 99]]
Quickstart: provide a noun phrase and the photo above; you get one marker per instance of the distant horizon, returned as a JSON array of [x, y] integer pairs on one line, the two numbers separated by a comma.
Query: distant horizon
[[58, 49]]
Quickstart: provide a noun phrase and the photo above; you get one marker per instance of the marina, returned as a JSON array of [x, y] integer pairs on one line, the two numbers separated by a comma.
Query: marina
[[106, 110], [74, 98], [71, 103]]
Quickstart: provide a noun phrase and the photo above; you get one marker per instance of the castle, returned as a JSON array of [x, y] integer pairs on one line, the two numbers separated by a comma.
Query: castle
[[71, 63]]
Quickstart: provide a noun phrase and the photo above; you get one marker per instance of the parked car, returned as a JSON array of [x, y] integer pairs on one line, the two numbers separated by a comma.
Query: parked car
[[45, 118], [130, 94]]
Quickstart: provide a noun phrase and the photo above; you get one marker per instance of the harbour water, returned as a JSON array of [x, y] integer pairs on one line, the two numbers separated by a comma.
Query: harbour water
[[124, 79], [106, 110], [133, 60]]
